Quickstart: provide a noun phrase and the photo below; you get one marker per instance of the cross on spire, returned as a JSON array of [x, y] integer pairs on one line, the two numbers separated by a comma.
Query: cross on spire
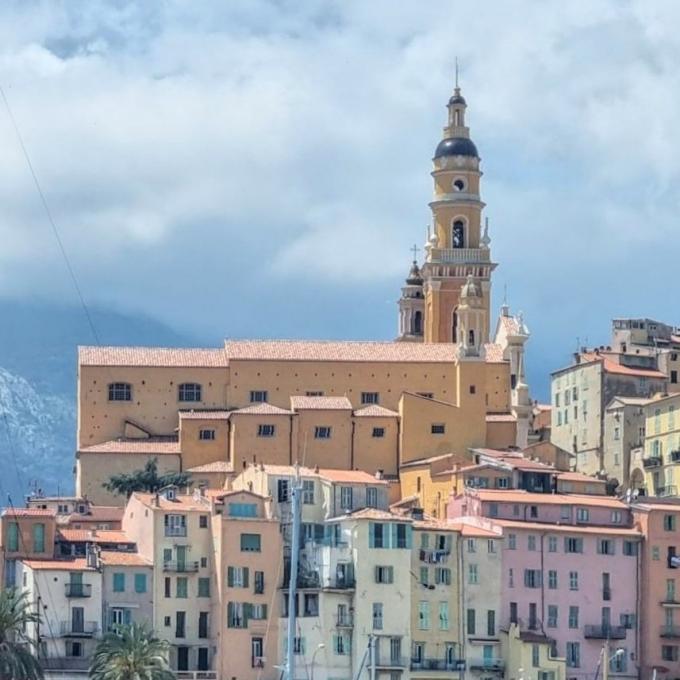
[[414, 249], [456, 72]]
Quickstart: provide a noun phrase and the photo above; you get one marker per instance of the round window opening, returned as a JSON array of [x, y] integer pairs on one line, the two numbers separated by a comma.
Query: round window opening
[[459, 185]]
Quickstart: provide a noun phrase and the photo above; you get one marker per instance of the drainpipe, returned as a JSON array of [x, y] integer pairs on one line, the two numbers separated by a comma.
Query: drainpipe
[[290, 441], [351, 445]]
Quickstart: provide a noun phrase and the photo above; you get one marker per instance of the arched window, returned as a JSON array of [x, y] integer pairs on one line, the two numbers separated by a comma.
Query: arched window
[[190, 392], [120, 392], [471, 337], [417, 323], [458, 234], [454, 325]]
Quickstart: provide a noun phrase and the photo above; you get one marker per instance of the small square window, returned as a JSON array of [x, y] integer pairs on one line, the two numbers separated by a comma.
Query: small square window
[[206, 435], [378, 432], [258, 396], [369, 397], [438, 428], [266, 430], [203, 521], [322, 432]]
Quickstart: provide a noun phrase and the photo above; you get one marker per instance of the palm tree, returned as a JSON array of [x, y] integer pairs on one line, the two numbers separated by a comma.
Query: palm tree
[[146, 479], [131, 653], [17, 658]]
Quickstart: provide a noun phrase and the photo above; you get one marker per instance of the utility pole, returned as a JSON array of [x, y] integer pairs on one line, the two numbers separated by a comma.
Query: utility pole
[[372, 654], [292, 583]]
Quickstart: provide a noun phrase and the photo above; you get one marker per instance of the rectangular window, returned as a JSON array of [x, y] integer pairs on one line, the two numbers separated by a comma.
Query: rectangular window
[[511, 578], [377, 616], [573, 580], [491, 622], [573, 545], [573, 617], [118, 582], [473, 574], [552, 616], [438, 428], [266, 430], [206, 435], [258, 585], [616, 517], [314, 393], [630, 548], [182, 587], [369, 397], [341, 644], [490, 545], [552, 579], [168, 583], [377, 537], [565, 512], [371, 497], [471, 621], [669, 522], [378, 432], [471, 545], [552, 543], [189, 392], [120, 392], [425, 575], [242, 510], [582, 514], [442, 576], [283, 490], [535, 656], [322, 432], [346, 497], [258, 396], [605, 546], [311, 604], [203, 587], [250, 543], [39, 538], [140, 583], [443, 615], [573, 655], [237, 577], [424, 615], [384, 574], [531, 542], [532, 578], [512, 542], [308, 491]]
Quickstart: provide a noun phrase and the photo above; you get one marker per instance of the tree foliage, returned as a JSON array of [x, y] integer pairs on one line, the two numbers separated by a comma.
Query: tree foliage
[[131, 653], [18, 658], [147, 479]]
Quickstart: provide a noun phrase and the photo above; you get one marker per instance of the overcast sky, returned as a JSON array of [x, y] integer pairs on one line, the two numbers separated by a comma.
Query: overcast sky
[[251, 168]]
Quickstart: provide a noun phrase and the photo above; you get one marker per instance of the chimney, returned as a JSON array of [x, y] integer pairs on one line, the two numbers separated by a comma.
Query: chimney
[[379, 474], [92, 556], [156, 503]]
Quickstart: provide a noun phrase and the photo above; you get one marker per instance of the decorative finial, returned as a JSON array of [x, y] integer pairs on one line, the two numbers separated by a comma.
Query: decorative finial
[[486, 240]]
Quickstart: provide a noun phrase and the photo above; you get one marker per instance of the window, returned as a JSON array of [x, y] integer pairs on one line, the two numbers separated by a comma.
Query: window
[[168, 583], [120, 392], [283, 490], [182, 587], [573, 545], [669, 522], [490, 622], [535, 656], [565, 512], [203, 587], [471, 545], [384, 574], [206, 435], [630, 548], [190, 392], [473, 574], [512, 541], [669, 652], [341, 644], [573, 655], [618, 662], [258, 396], [12, 537], [443, 615], [378, 432], [258, 586], [605, 546], [573, 580], [532, 578], [242, 510], [552, 543], [377, 616], [236, 615], [39, 538], [582, 514], [308, 491], [674, 377], [531, 542], [250, 543], [552, 616], [552, 579], [377, 537], [346, 497], [140, 583], [438, 428], [533, 511], [423, 615], [491, 546], [118, 582], [442, 576], [314, 393], [322, 432], [493, 509], [471, 621], [175, 525], [511, 578], [369, 397], [616, 517], [372, 497], [424, 575], [458, 234], [266, 430], [573, 617], [655, 552], [310, 604]]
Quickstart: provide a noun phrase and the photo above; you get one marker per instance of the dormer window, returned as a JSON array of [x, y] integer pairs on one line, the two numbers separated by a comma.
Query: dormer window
[[190, 392], [120, 391], [170, 493]]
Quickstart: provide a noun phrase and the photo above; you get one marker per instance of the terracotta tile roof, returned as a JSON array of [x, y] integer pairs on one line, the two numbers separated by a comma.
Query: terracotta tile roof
[[182, 503], [99, 513], [29, 512], [328, 350], [630, 401], [375, 411], [578, 477], [298, 403], [215, 466], [611, 366], [76, 564], [510, 324], [518, 496], [155, 446], [500, 418], [263, 409], [93, 536], [350, 477], [568, 528], [204, 415], [152, 356], [425, 461], [373, 513], [542, 407], [118, 558], [494, 353]]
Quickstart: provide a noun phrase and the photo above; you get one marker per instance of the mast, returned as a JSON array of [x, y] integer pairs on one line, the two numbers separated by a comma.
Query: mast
[[292, 585]]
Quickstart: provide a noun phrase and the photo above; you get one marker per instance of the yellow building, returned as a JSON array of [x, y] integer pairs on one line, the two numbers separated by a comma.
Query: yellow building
[[441, 388]]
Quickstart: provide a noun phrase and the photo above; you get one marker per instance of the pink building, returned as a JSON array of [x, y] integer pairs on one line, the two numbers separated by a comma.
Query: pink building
[[570, 573]]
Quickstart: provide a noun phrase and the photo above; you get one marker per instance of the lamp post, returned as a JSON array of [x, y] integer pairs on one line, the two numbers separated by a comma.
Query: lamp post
[[319, 647]]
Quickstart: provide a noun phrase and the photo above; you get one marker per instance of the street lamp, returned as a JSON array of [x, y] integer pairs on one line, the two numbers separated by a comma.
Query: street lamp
[[319, 647]]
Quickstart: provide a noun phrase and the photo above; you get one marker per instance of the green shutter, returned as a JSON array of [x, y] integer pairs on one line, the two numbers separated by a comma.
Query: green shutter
[[409, 536], [264, 612], [245, 577], [393, 536], [119, 582], [247, 613], [230, 577], [127, 616], [371, 535], [230, 614], [13, 537], [140, 583]]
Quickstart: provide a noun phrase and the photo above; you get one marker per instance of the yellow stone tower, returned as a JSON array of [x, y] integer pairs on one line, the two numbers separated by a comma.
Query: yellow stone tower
[[457, 250]]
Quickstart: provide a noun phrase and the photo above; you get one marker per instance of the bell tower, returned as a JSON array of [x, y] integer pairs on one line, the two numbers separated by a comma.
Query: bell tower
[[457, 250]]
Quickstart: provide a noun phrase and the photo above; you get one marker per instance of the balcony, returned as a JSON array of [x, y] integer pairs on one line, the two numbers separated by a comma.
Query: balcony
[[675, 456], [66, 663], [75, 629], [391, 662], [458, 255], [605, 632], [651, 461], [489, 665], [434, 556], [671, 490], [437, 665], [346, 583], [78, 590], [344, 621], [181, 567], [670, 600], [670, 631]]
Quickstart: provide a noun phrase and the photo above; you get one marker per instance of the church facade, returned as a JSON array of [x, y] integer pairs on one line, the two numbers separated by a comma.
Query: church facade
[[443, 386]]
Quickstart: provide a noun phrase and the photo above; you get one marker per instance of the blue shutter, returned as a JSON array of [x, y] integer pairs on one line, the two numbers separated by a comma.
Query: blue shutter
[[230, 577], [409, 536], [127, 616]]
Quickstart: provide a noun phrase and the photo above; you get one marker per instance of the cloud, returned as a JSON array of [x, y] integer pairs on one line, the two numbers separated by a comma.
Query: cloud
[[229, 152]]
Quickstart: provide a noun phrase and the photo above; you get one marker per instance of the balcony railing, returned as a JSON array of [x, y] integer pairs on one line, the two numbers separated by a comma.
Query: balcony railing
[[74, 629], [458, 255], [670, 631], [344, 621], [179, 532], [671, 600], [437, 664], [181, 567], [346, 583], [78, 590], [389, 661], [670, 490], [605, 632], [490, 664], [434, 556], [65, 663], [675, 455], [651, 461]]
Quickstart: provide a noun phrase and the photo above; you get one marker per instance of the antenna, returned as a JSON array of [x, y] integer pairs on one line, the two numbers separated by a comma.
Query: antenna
[[456, 71]]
